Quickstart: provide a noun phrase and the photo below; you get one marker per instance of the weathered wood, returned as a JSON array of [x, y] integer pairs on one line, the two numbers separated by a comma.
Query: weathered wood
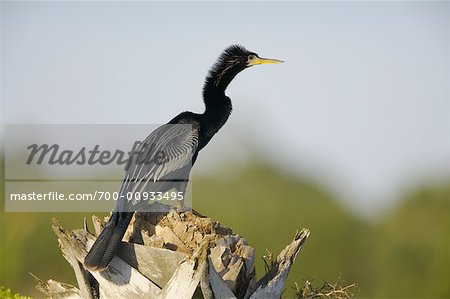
[[81, 274], [120, 280], [173, 255], [205, 284], [98, 225], [183, 283], [272, 284], [157, 264], [219, 287], [57, 290], [232, 275], [170, 239]]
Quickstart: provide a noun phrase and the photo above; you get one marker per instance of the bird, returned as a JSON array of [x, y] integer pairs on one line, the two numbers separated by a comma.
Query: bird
[[182, 138]]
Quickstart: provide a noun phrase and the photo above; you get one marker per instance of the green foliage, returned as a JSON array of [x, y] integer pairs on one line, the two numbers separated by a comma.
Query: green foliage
[[6, 294], [267, 208], [415, 249], [409, 246]]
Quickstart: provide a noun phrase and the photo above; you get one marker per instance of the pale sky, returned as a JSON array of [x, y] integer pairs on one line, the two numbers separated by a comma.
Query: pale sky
[[362, 104]]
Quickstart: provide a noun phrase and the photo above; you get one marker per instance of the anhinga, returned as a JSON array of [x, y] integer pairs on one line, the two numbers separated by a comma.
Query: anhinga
[[182, 143]]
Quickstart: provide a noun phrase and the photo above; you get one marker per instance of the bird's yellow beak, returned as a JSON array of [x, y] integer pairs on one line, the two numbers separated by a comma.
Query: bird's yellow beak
[[259, 60]]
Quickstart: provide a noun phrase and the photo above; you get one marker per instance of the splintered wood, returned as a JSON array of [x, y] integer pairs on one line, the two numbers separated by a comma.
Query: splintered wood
[[172, 255]]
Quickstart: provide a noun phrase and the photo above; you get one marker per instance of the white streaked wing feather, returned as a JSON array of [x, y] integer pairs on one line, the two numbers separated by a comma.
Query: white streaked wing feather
[[177, 142]]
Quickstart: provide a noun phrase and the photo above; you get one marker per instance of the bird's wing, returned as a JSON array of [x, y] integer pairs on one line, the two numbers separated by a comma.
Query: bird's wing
[[167, 149]]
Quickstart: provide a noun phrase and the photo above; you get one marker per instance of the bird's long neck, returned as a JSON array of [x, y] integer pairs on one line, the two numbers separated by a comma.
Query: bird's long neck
[[217, 105]]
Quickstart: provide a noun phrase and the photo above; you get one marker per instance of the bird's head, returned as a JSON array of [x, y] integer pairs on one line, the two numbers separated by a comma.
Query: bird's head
[[238, 56], [233, 60]]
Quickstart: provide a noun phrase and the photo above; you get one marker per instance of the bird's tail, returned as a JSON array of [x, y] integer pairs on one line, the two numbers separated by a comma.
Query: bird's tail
[[106, 245]]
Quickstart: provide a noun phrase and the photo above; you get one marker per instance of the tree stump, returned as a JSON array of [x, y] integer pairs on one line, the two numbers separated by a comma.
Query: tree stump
[[172, 255]]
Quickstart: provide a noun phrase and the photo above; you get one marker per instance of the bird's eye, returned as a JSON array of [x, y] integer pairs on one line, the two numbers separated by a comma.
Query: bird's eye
[[251, 57]]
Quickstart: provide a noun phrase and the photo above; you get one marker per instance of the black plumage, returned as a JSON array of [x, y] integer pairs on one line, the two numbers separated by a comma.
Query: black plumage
[[180, 139]]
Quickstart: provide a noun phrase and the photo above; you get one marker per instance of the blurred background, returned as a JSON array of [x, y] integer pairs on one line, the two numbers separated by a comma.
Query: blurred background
[[349, 138]]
